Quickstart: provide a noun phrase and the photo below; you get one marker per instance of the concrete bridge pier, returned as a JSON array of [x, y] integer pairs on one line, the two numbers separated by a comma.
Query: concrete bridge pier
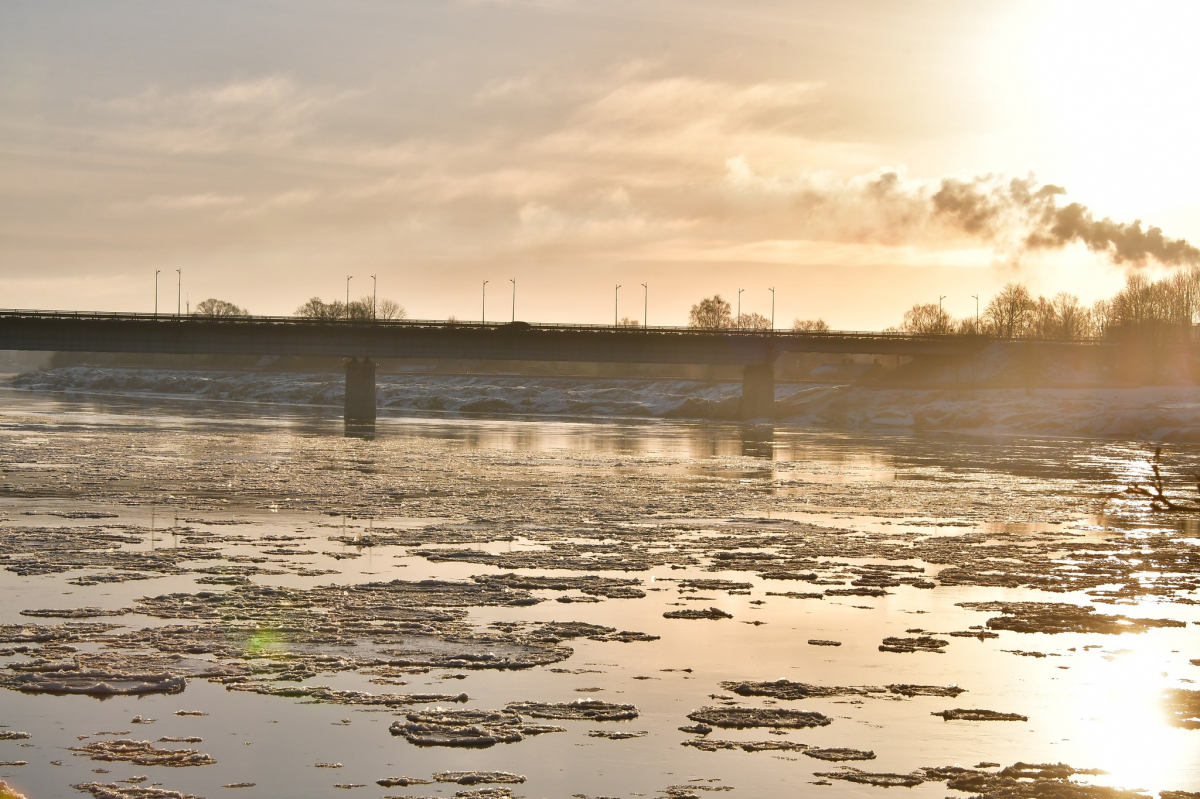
[[758, 391], [360, 393]]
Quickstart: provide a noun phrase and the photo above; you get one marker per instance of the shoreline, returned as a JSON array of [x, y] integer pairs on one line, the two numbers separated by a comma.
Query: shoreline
[[1145, 413]]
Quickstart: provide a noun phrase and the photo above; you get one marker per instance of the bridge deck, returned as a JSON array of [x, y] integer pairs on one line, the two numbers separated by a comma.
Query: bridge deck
[[145, 333]]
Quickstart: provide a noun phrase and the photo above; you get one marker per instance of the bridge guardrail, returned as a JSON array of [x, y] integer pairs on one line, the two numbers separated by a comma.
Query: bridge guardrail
[[532, 326]]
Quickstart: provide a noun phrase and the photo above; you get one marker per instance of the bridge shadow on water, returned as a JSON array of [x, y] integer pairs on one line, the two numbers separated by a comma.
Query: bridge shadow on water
[[359, 429], [758, 441], [754, 440], [693, 438]]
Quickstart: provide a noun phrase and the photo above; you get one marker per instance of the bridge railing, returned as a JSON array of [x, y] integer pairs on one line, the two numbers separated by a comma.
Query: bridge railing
[[165, 318]]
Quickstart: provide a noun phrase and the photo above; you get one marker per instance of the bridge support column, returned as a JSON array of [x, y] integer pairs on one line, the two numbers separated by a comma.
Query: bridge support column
[[360, 392], [758, 391]]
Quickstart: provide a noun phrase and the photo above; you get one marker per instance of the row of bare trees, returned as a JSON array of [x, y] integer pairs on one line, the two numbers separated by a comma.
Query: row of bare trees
[[715, 313], [1164, 305], [1143, 303], [366, 308], [316, 308], [214, 307], [1013, 313]]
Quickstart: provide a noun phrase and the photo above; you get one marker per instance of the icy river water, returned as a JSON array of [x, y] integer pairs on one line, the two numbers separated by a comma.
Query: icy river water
[[217, 600]]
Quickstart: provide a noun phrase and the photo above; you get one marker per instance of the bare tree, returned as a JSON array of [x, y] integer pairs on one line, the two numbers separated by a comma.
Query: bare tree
[[1043, 320], [215, 307], [1170, 301], [1073, 320], [971, 326], [1135, 303], [810, 325], [1185, 294], [711, 313], [1010, 311], [752, 321], [390, 309], [316, 308], [927, 319], [360, 310], [1100, 315], [628, 322]]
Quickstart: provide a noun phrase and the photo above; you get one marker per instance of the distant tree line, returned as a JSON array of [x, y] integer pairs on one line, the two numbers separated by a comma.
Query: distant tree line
[[316, 308], [1158, 306]]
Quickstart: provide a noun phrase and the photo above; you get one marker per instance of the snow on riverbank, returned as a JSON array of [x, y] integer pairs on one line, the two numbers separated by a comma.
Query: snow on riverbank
[[1151, 413], [1154, 413]]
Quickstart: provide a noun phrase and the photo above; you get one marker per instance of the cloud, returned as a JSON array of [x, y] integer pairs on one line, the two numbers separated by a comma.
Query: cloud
[[633, 163], [269, 113], [184, 202]]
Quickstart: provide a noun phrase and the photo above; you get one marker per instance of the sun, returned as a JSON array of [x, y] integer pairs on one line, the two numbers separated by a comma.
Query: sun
[[1110, 90]]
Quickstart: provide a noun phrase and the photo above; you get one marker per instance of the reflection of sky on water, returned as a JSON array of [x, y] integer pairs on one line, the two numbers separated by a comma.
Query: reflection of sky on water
[[1087, 707]]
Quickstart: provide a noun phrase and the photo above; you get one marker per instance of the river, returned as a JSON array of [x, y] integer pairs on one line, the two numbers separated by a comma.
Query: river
[[141, 536]]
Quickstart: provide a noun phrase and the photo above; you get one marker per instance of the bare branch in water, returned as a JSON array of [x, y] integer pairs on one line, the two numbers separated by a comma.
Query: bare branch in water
[[1156, 489]]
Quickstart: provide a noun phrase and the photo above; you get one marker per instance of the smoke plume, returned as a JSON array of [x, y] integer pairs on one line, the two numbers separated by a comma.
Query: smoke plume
[[1026, 217]]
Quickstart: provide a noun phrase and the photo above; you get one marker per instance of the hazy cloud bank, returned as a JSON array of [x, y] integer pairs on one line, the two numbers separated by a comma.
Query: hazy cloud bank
[[268, 151], [629, 164]]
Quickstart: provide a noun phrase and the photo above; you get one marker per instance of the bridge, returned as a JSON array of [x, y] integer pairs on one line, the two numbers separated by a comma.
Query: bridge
[[360, 342]]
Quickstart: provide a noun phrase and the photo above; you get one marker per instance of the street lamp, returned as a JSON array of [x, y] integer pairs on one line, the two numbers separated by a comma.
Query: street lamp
[[940, 298], [483, 310], [739, 316], [179, 294], [348, 278], [646, 309], [976, 296], [513, 280], [156, 271], [772, 290], [616, 304], [374, 294]]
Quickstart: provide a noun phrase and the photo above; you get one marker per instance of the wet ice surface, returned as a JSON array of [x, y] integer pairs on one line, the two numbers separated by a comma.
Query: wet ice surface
[[177, 562]]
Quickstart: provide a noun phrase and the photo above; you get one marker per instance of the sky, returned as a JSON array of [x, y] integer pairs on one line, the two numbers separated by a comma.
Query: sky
[[268, 150]]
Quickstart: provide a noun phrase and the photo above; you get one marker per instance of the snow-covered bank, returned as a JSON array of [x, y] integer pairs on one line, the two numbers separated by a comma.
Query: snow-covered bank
[[1153, 413], [1149, 413]]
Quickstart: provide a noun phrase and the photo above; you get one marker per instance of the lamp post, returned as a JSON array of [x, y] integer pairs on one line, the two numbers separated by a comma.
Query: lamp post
[[646, 308], [739, 316], [616, 304], [513, 280], [156, 271], [940, 298], [976, 296], [772, 290], [179, 293], [348, 278], [483, 310], [374, 294]]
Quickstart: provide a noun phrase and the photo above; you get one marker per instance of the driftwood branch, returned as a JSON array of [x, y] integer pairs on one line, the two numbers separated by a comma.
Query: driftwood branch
[[1156, 489]]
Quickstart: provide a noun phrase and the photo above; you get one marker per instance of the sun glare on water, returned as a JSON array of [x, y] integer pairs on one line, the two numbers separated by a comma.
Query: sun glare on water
[[1119, 722]]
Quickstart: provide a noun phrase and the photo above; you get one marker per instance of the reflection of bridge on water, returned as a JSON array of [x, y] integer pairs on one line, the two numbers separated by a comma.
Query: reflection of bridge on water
[[361, 341]]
